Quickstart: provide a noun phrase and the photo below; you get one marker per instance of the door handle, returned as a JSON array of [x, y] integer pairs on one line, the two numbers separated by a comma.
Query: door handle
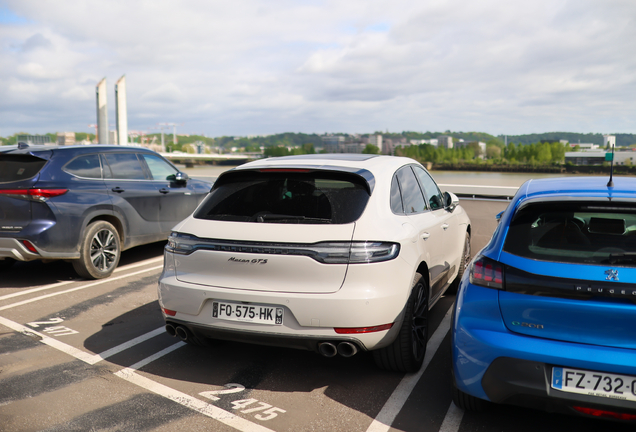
[[164, 190], [425, 236], [445, 226], [118, 189]]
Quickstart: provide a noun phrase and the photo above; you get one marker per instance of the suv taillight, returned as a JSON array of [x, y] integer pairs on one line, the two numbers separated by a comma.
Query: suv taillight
[[33, 194], [487, 272]]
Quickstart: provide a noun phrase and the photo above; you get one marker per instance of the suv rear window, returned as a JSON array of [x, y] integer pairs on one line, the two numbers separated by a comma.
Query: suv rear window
[[315, 197], [575, 232], [19, 167]]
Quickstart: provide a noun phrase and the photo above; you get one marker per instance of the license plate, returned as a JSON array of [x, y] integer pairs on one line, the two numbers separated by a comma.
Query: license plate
[[594, 383], [259, 314]]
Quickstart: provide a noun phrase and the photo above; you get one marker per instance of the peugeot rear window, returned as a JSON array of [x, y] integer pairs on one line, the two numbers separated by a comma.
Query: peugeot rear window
[[314, 197], [19, 167], [575, 232]]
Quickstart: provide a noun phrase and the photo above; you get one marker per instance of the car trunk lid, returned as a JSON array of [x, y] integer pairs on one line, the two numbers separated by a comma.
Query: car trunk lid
[[18, 174], [569, 270], [263, 257]]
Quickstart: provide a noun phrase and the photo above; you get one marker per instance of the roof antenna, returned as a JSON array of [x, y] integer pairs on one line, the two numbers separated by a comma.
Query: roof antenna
[[610, 183]]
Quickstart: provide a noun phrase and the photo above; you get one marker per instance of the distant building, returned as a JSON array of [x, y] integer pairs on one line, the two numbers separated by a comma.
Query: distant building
[[65, 138], [585, 146], [609, 141], [445, 141], [376, 140], [597, 157], [333, 143], [112, 137], [34, 139]]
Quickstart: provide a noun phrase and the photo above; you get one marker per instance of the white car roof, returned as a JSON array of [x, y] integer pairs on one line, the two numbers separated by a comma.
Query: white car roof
[[377, 165]]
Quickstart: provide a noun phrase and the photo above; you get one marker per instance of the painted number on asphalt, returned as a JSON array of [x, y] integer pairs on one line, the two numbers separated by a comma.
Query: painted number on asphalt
[[53, 330], [268, 411]]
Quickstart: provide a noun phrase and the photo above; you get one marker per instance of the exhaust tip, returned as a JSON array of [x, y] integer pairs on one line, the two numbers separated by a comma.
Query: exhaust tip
[[182, 332], [347, 349], [171, 330], [327, 349]]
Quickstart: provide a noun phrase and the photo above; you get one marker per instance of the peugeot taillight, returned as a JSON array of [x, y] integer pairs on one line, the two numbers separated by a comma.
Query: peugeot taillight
[[487, 272]]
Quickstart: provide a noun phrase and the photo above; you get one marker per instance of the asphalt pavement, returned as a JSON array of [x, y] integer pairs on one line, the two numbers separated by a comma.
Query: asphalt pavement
[[79, 355]]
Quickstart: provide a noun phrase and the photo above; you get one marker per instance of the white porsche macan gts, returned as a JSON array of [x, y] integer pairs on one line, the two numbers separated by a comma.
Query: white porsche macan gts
[[334, 253]]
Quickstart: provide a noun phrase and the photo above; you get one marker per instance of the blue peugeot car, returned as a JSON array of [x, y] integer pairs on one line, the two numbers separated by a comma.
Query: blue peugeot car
[[546, 315], [86, 204]]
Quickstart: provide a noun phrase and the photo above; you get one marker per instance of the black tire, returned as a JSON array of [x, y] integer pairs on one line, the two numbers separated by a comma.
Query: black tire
[[465, 260], [6, 263], [406, 353], [99, 252], [467, 402]]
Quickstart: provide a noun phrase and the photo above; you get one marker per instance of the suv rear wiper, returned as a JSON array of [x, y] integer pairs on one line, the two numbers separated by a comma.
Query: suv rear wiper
[[281, 217], [622, 257]]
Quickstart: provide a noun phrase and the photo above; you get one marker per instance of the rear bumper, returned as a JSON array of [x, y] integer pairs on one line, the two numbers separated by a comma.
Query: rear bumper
[[303, 342], [492, 363], [372, 295], [13, 248]]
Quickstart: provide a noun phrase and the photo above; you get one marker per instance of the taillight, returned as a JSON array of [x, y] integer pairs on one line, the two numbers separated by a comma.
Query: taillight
[[33, 194], [487, 272], [356, 252], [605, 414], [356, 330]]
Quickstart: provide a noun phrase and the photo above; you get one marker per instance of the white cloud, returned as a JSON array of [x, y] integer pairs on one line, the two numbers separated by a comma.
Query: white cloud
[[253, 66]]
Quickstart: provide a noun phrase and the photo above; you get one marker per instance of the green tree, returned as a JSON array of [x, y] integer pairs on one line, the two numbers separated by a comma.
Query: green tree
[[371, 149]]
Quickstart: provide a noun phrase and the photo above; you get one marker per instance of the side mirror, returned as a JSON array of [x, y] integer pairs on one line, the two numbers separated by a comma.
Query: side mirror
[[181, 177], [450, 201]]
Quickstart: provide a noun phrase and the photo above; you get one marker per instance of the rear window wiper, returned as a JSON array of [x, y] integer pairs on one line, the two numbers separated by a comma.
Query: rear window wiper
[[282, 217], [622, 257]]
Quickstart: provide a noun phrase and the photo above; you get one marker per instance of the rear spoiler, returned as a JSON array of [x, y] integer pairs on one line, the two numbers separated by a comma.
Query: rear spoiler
[[365, 175]]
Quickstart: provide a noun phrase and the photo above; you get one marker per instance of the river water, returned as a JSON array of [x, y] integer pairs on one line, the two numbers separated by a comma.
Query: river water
[[460, 182]]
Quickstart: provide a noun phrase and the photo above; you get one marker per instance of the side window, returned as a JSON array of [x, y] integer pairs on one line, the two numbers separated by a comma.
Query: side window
[[125, 166], [396, 197], [159, 168], [412, 197], [431, 190], [85, 166]]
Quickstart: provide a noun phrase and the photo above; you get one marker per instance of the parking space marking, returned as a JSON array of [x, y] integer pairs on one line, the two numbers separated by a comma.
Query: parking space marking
[[452, 420], [102, 281], [396, 401], [75, 352], [58, 284], [191, 402], [129, 374], [53, 343], [119, 348]]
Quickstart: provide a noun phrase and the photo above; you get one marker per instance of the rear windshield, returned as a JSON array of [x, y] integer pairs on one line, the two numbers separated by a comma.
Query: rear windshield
[[316, 197], [19, 167], [575, 232]]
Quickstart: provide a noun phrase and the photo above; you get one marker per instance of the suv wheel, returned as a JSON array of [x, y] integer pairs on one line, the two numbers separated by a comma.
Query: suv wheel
[[406, 353], [465, 260], [100, 251]]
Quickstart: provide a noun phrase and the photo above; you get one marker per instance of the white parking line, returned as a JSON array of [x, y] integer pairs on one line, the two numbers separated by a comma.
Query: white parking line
[[396, 401], [453, 419], [131, 343], [102, 281], [77, 353], [132, 377], [53, 343], [191, 402], [58, 284]]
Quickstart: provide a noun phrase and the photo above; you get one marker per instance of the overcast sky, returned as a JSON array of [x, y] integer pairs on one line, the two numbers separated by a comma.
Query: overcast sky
[[267, 66]]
